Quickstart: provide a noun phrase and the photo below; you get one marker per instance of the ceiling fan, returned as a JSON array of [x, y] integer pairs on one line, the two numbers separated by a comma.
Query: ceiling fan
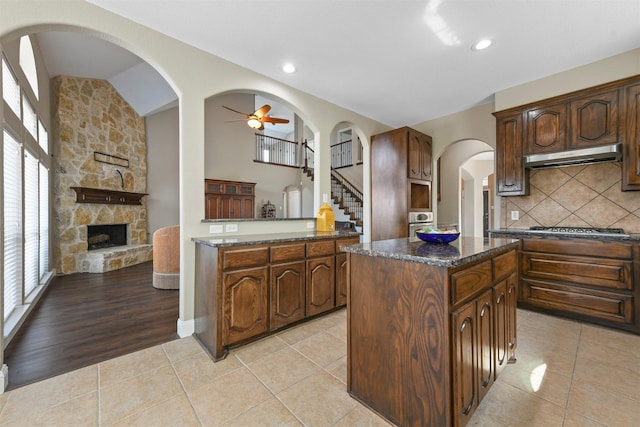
[[258, 118]]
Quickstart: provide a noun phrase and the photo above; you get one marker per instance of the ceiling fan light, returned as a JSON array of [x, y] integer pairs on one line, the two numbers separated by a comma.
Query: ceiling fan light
[[254, 123]]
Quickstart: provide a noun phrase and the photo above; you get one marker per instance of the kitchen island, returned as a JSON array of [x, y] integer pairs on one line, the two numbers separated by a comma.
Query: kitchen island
[[429, 326], [249, 286]]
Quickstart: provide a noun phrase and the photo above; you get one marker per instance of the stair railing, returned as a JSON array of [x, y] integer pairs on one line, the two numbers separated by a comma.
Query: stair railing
[[347, 196]]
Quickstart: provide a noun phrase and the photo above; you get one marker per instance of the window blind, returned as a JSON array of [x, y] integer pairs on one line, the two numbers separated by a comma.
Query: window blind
[[31, 219], [44, 220], [10, 89], [29, 118], [43, 137], [12, 213]]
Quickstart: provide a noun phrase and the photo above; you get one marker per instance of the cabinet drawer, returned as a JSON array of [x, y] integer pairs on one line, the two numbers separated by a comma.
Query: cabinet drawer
[[346, 242], [246, 256], [581, 247], [606, 273], [610, 306], [287, 252], [504, 265], [321, 247], [468, 282]]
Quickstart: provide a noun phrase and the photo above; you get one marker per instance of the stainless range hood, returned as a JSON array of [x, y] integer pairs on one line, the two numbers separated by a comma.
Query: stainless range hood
[[605, 153]]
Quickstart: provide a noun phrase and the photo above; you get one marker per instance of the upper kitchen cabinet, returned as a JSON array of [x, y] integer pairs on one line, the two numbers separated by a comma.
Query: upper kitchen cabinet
[[594, 120], [419, 160], [601, 115], [631, 156], [400, 180], [511, 176], [546, 129]]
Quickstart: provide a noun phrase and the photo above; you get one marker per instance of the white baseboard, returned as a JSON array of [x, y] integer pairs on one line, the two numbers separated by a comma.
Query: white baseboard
[[186, 328]]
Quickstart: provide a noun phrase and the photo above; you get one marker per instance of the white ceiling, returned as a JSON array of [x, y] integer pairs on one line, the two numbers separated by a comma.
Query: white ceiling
[[400, 62]]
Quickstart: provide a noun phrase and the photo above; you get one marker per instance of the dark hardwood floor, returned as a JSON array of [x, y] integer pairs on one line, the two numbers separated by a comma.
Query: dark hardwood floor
[[86, 318]]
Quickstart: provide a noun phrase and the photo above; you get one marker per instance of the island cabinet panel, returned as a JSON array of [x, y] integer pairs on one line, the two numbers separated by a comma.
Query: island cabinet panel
[[585, 279], [423, 339], [247, 291], [342, 269]]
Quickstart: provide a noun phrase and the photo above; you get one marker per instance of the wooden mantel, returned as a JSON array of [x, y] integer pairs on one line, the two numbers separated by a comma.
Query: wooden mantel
[[97, 195]]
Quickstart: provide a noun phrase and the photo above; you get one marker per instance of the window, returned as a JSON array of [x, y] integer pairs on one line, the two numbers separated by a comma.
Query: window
[[28, 64], [12, 224], [10, 89], [26, 168]]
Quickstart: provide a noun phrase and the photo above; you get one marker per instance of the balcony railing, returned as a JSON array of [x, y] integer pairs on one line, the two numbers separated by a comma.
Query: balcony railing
[[276, 151], [341, 155]]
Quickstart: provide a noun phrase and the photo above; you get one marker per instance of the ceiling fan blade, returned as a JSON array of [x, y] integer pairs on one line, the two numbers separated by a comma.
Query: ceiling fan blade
[[262, 111], [239, 120], [274, 120], [236, 111]]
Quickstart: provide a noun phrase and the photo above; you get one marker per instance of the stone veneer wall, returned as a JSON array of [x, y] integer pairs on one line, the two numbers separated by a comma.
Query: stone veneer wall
[[575, 196], [89, 115]]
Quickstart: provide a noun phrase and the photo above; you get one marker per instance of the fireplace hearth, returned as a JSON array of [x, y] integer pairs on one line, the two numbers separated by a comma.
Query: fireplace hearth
[[106, 236]]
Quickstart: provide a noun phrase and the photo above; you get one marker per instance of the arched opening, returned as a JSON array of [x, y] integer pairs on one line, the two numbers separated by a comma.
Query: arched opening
[[460, 182]]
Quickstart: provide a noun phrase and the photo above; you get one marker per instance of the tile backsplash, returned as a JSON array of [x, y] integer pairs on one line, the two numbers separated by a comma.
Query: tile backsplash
[[575, 196]]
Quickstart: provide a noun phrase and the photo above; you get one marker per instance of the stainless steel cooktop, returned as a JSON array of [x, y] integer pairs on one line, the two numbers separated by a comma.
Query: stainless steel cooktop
[[619, 232]]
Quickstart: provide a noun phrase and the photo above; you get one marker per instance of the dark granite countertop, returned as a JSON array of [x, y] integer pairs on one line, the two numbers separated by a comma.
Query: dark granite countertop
[[257, 219], [462, 251], [256, 239], [519, 233]]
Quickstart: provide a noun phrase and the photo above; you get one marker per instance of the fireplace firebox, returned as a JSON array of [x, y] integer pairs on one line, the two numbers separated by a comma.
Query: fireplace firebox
[[106, 236]]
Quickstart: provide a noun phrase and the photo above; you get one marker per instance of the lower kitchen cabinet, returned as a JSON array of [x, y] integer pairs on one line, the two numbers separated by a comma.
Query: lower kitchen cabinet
[[246, 291], [287, 293], [245, 298], [321, 285], [591, 280]]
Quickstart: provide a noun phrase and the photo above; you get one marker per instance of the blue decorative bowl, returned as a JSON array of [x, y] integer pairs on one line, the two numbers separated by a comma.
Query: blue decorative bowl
[[442, 238]]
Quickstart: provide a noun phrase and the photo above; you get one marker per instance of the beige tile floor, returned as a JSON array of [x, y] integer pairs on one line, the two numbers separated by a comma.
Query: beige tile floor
[[567, 374]]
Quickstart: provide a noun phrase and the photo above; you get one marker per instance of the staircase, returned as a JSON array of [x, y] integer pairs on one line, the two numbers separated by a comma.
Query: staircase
[[345, 195]]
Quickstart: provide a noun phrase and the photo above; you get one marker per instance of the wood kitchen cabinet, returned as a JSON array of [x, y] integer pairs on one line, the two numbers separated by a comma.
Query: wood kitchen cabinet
[[247, 291], [419, 157], [512, 179], [546, 129], [400, 180], [581, 278], [594, 120], [631, 157], [423, 339], [600, 115], [229, 199]]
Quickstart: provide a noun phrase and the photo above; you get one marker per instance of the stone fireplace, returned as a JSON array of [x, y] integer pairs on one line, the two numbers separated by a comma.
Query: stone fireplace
[[99, 142]]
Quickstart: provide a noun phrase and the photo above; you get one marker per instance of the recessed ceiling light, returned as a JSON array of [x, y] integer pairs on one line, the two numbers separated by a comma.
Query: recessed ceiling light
[[288, 68], [482, 44]]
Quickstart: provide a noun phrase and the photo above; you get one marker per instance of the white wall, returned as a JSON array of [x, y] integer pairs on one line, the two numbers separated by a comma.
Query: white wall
[[473, 172], [163, 175]]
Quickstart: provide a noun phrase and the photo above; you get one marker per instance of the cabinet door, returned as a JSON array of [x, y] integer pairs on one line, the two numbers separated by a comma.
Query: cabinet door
[[631, 160], [212, 206], [287, 293], [419, 161], [247, 207], [465, 373], [511, 177], [486, 362], [512, 300], [341, 279], [594, 120], [320, 284], [501, 326], [230, 207], [245, 299], [546, 129]]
